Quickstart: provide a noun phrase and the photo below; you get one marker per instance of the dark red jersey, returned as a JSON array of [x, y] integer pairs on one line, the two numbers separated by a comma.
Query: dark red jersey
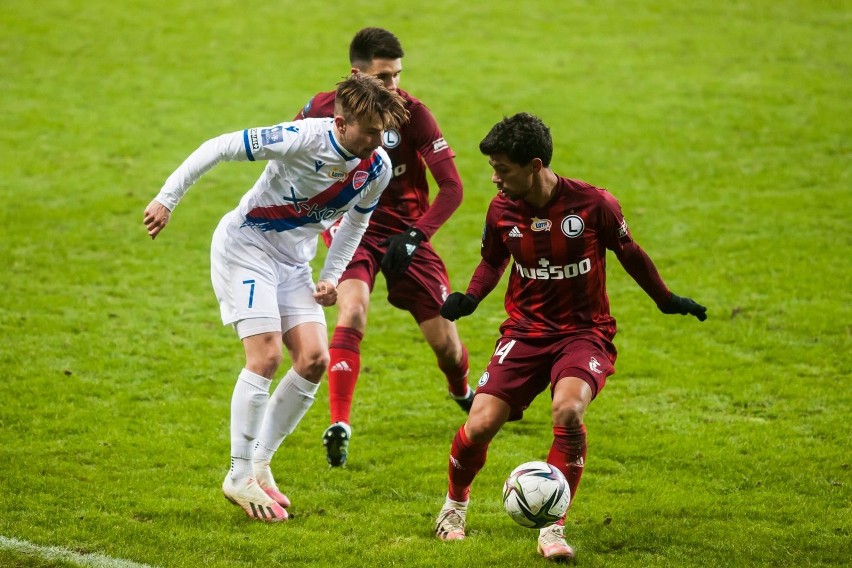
[[412, 148], [558, 275]]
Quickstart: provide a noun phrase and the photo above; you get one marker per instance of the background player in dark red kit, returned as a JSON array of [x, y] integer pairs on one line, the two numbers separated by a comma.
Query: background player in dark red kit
[[559, 331], [396, 243]]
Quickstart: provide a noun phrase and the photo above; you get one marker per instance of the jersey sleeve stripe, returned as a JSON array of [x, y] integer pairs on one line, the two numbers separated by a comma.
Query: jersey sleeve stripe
[[365, 209], [246, 144]]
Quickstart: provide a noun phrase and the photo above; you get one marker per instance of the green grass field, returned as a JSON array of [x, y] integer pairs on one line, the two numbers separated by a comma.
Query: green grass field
[[723, 128]]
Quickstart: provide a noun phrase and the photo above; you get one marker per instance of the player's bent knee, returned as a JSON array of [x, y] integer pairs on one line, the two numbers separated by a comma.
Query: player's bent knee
[[352, 315], [312, 365], [264, 363], [263, 353], [443, 339], [449, 352], [568, 412], [480, 432], [481, 427]]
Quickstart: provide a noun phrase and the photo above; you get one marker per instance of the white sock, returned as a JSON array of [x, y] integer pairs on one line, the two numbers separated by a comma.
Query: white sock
[[466, 394], [292, 398], [458, 505], [248, 404]]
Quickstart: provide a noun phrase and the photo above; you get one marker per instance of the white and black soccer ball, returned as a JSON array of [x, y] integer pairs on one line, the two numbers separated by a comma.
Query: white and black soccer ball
[[536, 495]]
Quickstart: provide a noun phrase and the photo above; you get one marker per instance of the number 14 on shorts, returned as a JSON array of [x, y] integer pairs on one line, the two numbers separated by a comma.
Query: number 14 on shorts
[[503, 350]]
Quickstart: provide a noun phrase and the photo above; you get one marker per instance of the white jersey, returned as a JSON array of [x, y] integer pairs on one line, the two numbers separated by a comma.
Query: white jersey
[[309, 183]]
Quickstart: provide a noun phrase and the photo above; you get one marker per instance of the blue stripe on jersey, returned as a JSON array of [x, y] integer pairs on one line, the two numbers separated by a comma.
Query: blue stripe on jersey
[[284, 218], [246, 144], [343, 153]]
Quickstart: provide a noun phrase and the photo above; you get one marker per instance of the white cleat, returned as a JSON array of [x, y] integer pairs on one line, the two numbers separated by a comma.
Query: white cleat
[[450, 524], [267, 483], [552, 545], [253, 500]]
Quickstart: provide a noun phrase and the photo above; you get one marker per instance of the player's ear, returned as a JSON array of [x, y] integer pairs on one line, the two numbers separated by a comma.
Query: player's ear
[[339, 122], [536, 164], [354, 71]]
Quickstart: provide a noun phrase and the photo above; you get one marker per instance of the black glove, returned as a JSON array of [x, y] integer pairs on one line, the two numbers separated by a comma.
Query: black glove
[[401, 249], [683, 306], [458, 305]]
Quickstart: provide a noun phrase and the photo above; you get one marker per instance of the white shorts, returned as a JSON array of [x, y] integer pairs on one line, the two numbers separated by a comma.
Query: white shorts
[[250, 284]]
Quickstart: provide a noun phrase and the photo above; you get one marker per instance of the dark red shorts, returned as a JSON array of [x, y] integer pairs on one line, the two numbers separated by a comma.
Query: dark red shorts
[[420, 290], [521, 368]]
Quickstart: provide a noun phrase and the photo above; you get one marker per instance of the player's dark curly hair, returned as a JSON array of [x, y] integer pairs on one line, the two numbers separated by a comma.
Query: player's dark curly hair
[[372, 43], [522, 137]]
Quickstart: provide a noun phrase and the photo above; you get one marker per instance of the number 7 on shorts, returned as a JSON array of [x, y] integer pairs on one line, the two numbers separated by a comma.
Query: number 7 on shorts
[[251, 291]]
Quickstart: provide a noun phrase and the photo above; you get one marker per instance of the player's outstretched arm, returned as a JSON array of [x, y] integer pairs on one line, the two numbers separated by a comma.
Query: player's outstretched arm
[[155, 218], [683, 306], [641, 268], [484, 280]]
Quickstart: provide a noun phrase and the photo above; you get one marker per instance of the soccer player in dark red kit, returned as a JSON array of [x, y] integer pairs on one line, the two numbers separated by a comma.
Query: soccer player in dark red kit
[[559, 331], [396, 243]]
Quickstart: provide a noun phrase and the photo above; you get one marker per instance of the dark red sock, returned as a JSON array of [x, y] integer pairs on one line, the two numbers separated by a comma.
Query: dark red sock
[[568, 454], [343, 368], [457, 374], [466, 459]]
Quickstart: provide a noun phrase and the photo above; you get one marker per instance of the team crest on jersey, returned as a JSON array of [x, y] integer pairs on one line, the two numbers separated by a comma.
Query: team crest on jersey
[[391, 138], [572, 226], [360, 179], [540, 224]]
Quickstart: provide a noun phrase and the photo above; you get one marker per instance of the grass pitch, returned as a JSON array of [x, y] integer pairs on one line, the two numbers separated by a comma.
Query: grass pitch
[[724, 129]]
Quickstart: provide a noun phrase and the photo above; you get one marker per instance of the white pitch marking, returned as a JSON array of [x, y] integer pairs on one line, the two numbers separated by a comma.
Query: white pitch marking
[[58, 553]]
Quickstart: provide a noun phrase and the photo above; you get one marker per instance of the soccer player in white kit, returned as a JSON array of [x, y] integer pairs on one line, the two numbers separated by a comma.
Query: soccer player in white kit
[[318, 170]]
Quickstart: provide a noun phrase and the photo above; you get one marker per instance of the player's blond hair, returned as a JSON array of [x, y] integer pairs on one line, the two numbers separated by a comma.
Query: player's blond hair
[[363, 96]]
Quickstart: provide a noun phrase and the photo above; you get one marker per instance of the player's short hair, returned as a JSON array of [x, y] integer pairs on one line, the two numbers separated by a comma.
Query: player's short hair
[[373, 43], [361, 96], [522, 137]]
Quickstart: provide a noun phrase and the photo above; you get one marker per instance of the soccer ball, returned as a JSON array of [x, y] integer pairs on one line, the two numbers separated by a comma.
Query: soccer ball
[[536, 495]]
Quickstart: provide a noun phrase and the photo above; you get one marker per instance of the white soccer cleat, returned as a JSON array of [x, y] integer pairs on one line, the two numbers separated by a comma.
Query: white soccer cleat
[[450, 524], [552, 545], [253, 500], [267, 483]]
